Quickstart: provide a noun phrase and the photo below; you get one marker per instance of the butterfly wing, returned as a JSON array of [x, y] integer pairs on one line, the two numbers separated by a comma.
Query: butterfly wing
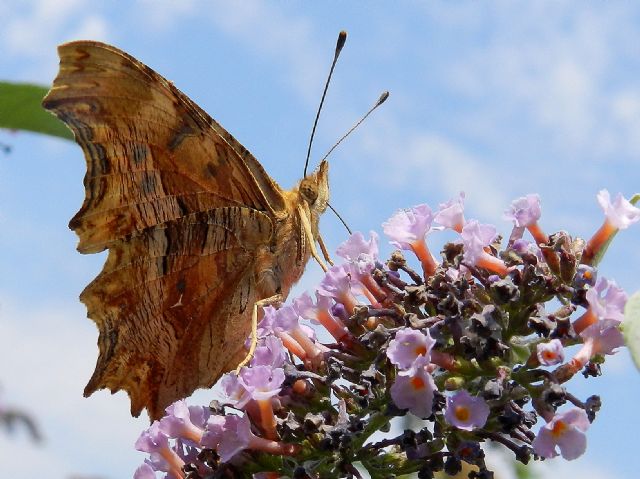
[[152, 154], [183, 209]]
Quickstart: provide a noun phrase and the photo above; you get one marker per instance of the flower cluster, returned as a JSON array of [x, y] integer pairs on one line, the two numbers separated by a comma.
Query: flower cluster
[[468, 345]]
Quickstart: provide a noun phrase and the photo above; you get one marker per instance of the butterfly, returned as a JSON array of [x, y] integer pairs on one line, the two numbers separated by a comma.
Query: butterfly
[[198, 234]]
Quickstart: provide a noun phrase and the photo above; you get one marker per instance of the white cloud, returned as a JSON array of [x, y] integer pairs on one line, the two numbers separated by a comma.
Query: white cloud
[[33, 29], [51, 351], [434, 163], [551, 65]]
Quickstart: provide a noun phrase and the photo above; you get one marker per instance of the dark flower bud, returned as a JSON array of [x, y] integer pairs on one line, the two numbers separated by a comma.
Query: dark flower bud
[[452, 465]]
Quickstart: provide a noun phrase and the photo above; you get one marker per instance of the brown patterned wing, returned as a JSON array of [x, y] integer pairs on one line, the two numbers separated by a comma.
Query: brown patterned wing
[[172, 304], [184, 210], [152, 154]]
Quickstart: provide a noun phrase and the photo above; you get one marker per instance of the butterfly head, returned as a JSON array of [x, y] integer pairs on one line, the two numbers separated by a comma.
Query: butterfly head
[[314, 189]]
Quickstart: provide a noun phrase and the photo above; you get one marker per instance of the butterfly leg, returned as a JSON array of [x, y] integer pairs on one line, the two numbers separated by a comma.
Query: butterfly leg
[[276, 298], [324, 250]]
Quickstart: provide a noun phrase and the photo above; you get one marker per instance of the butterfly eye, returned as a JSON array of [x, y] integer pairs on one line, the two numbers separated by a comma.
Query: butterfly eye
[[309, 191]]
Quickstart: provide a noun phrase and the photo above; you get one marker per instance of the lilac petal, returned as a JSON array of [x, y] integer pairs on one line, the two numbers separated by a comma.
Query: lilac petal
[[407, 345], [462, 404], [145, 471], [356, 246], [236, 438], [451, 213], [414, 393], [544, 445], [262, 382], [475, 237], [408, 226], [524, 211], [550, 353], [621, 213], [572, 444]]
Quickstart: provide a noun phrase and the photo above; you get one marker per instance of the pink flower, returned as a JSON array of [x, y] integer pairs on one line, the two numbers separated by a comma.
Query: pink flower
[[359, 251], [524, 211], [320, 313], [476, 237], [413, 389], [184, 422], [451, 213], [607, 300], [408, 345], [339, 285], [567, 431], [162, 458], [407, 230], [229, 435], [621, 213], [466, 412], [408, 227], [550, 353], [261, 382], [145, 471]]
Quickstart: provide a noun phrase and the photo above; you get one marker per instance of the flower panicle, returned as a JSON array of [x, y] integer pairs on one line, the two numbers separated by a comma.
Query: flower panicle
[[466, 345]]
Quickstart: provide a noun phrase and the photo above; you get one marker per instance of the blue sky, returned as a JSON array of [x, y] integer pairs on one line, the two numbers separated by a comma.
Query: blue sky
[[497, 99]]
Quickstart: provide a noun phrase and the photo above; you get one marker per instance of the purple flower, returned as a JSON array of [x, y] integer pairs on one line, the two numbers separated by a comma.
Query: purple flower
[[269, 352], [162, 458], [339, 285], [285, 319], [408, 345], [475, 237], [465, 411], [359, 252], [261, 382], [152, 439], [550, 353], [414, 391], [228, 435], [603, 336], [145, 471], [621, 213], [184, 422], [407, 227], [235, 392], [524, 211], [609, 304], [451, 213], [567, 431], [231, 434]]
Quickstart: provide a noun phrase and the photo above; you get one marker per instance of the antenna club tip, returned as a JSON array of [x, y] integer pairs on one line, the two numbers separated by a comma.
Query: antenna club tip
[[342, 38], [383, 98]]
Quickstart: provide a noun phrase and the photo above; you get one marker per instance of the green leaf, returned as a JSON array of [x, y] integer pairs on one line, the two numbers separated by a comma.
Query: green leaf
[[631, 327], [21, 109]]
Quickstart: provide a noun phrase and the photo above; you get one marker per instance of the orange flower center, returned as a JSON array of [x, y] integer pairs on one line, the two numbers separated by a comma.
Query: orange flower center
[[462, 413], [549, 355], [421, 350], [559, 428], [417, 382]]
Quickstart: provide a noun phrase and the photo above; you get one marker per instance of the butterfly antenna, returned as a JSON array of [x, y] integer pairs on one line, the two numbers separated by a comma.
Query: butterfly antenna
[[380, 101], [340, 218], [342, 37]]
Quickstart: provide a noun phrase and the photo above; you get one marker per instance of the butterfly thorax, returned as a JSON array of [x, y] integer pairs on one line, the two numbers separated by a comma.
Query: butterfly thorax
[[281, 265]]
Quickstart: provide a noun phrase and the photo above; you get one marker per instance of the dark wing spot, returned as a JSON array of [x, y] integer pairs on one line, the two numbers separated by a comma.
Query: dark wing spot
[[212, 169], [185, 130], [181, 286], [149, 183]]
